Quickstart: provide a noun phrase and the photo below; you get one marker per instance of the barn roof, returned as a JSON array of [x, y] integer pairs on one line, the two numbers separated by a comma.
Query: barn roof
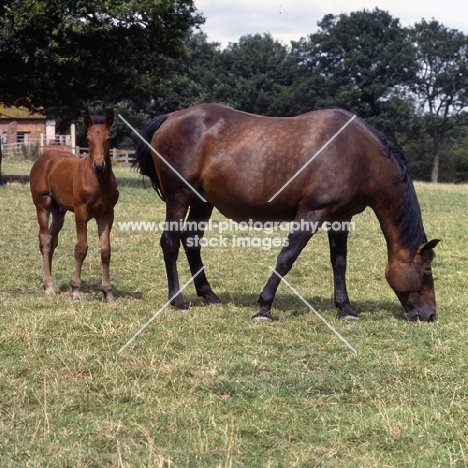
[[18, 113]]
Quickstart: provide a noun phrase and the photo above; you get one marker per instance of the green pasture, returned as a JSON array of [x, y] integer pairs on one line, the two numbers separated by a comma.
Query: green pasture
[[209, 388]]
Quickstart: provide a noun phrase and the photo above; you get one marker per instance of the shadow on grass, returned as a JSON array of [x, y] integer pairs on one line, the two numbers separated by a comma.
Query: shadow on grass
[[121, 181], [283, 304], [291, 304], [94, 287], [22, 179]]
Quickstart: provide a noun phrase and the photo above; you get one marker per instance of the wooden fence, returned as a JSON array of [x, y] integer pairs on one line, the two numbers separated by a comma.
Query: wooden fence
[[118, 156]]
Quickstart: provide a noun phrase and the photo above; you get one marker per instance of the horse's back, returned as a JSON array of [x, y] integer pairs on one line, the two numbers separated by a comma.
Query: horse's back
[[50, 159], [240, 161]]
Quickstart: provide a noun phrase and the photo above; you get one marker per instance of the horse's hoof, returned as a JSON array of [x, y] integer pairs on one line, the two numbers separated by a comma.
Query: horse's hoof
[[349, 318], [109, 298], [50, 292], [76, 297], [214, 303], [262, 317]]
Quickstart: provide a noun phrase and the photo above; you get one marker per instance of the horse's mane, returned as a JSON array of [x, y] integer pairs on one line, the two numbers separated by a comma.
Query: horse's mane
[[143, 155], [410, 223]]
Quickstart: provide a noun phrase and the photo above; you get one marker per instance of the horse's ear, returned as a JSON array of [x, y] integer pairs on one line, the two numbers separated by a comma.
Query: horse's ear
[[88, 120], [432, 244], [109, 117]]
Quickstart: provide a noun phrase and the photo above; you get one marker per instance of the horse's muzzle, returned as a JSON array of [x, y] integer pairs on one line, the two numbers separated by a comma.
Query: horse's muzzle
[[99, 167], [422, 314]]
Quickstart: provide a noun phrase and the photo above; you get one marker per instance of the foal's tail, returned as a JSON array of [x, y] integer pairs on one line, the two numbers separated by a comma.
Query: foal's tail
[[143, 154]]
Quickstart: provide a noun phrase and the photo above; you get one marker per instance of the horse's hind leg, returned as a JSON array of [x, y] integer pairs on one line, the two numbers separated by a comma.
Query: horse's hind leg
[[45, 246], [338, 241], [191, 237], [58, 218], [104, 229]]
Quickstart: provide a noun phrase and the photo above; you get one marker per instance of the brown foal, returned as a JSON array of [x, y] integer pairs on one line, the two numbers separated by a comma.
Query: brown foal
[[61, 182]]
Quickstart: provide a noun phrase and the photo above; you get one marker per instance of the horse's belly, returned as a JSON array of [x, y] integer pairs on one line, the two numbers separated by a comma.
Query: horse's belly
[[240, 209]]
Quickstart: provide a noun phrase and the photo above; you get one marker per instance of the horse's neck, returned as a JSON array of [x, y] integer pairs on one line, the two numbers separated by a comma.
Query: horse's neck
[[401, 228]]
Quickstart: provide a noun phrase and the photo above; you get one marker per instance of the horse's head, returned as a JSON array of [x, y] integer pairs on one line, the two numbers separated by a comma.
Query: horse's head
[[98, 136], [413, 283]]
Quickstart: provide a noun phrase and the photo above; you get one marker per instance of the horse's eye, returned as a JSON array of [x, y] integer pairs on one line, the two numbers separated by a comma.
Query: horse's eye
[[427, 273]]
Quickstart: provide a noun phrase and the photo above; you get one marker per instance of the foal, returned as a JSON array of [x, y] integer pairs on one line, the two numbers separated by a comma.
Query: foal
[[61, 182]]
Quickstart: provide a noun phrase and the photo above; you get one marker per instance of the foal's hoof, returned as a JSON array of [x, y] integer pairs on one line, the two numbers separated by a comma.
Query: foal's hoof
[[76, 297], [262, 317], [109, 298], [49, 292]]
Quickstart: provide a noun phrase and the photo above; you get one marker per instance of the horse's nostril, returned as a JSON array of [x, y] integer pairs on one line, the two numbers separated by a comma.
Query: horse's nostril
[[99, 167], [432, 317]]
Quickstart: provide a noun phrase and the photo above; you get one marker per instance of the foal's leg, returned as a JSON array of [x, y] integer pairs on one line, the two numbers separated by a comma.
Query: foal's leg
[[170, 243], [81, 249], [297, 240], [338, 241], [58, 218], [191, 238], [43, 215], [104, 229]]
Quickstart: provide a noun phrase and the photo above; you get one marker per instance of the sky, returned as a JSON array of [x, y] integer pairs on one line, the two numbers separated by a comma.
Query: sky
[[289, 20]]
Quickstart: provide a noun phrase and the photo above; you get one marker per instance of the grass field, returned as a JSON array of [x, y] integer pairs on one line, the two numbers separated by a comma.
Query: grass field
[[209, 388]]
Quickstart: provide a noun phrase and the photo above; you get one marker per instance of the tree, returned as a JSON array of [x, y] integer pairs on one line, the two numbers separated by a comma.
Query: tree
[[364, 59], [64, 53], [253, 75], [199, 77], [442, 79]]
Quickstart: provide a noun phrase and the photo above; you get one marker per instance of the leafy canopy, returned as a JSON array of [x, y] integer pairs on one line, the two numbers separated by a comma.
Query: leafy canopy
[[63, 53]]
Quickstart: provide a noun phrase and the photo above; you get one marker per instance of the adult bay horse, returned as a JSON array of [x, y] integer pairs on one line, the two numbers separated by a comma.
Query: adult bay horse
[[61, 182], [317, 167]]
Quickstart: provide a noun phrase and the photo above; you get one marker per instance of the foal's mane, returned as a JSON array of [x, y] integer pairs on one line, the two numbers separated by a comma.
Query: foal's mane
[[98, 119], [410, 222]]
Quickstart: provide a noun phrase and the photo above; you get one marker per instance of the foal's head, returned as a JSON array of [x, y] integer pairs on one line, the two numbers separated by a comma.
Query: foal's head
[[98, 136]]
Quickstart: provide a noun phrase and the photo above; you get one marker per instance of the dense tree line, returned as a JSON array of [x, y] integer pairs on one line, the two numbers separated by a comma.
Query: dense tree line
[[146, 58]]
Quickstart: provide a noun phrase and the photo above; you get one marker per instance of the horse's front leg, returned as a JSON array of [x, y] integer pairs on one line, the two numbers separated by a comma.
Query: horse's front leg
[[297, 240], [81, 250], [338, 241], [104, 230], [191, 240], [170, 244]]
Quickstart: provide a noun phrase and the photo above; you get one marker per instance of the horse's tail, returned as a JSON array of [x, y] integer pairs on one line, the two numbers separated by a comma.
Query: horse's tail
[[143, 154]]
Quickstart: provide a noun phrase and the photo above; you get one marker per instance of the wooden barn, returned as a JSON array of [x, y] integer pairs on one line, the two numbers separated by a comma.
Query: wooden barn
[[19, 126]]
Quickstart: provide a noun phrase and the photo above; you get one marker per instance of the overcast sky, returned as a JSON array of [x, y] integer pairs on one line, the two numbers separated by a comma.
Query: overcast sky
[[287, 20]]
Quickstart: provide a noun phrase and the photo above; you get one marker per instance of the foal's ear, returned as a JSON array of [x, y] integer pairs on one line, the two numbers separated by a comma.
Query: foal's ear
[[429, 245], [109, 117], [88, 120]]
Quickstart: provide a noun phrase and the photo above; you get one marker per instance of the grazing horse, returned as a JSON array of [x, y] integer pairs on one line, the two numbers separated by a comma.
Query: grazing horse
[[322, 166], [61, 182]]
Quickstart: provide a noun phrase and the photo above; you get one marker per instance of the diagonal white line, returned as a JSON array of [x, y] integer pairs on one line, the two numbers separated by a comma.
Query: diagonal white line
[[311, 159], [314, 311], [160, 310], [162, 159]]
